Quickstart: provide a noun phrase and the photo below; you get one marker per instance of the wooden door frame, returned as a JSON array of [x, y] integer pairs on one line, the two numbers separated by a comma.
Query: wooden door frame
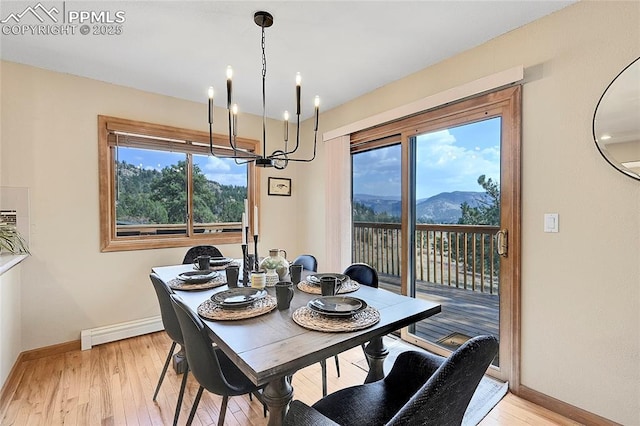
[[505, 103]]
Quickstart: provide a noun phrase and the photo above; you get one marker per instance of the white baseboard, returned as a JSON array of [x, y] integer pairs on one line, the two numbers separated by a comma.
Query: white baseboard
[[111, 333]]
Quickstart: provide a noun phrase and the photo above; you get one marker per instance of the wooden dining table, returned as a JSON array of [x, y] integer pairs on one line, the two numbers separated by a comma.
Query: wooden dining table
[[271, 347]]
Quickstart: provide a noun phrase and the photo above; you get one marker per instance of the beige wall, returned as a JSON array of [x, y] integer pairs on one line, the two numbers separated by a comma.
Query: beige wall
[[581, 287], [49, 144]]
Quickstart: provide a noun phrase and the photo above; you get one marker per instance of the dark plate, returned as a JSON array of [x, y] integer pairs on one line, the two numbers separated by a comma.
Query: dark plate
[[197, 277], [238, 297], [336, 303], [219, 261], [337, 306], [315, 278]]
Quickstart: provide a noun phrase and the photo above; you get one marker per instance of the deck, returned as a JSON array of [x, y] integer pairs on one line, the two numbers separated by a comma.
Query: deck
[[464, 312]]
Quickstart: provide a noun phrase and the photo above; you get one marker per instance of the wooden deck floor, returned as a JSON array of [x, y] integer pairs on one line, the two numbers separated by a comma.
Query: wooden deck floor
[[465, 312]]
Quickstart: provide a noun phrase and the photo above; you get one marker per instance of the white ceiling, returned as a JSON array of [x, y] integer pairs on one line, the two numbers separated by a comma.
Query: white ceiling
[[342, 49]]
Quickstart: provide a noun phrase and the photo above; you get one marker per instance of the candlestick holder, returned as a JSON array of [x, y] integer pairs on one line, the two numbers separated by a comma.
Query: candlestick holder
[[255, 245], [245, 266]]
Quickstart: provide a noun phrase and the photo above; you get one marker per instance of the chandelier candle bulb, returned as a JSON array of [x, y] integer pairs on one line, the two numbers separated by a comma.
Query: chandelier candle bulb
[[210, 105], [235, 120], [255, 220], [286, 126], [317, 110], [229, 75], [298, 84]]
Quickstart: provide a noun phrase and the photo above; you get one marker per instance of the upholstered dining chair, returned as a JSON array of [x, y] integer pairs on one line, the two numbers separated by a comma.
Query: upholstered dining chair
[[365, 275], [308, 262], [196, 251], [421, 389], [213, 370], [172, 327], [362, 273]]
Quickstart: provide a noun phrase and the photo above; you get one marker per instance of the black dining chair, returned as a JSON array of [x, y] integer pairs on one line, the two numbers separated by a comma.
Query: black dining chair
[[421, 389], [172, 327], [323, 367], [365, 275], [307, 261], [362, 273], [213, 370], [193, 253]]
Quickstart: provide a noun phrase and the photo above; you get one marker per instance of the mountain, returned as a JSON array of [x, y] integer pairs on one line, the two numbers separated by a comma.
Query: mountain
[[445, 207], [440, 208], [380, 203]]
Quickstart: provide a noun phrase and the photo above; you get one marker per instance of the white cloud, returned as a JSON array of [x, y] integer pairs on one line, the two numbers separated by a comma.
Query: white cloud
[[377, 172], [216, 164], [444, 164], [446, 160]]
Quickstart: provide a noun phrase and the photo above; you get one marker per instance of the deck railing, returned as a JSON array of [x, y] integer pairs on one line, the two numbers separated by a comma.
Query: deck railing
[[123, 230], [462, 256]]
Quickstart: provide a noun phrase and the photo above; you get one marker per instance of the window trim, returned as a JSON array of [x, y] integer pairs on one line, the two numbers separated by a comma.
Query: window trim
[[178, 140]]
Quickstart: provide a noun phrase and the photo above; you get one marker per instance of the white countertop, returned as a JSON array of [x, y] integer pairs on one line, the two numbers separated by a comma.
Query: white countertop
[[8, 261]]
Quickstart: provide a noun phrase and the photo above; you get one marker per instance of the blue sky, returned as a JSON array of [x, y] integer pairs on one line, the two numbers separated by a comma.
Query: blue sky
[[446, 161], [221, 170]]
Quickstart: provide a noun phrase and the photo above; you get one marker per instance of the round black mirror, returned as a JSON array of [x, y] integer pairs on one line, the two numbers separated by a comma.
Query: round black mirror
[[616, 121]]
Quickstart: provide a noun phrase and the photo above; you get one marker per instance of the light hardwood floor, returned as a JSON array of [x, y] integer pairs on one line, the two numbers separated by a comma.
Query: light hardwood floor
[[113, 384]]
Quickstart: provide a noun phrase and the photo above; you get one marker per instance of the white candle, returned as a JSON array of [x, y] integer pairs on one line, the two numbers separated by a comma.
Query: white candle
[[229, 75], [246, 207], [286, 126], [255, 220], [210, 105], [244, 224]]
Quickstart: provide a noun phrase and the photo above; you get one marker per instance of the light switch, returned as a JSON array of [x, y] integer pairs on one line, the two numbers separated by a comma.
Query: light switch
[[551, 222]]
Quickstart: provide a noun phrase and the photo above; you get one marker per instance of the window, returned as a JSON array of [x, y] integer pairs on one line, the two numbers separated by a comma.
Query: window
[[161, 187], [376, 179]]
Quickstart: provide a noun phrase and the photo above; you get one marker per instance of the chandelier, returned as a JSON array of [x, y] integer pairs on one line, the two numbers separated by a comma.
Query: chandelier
[[280, 157]]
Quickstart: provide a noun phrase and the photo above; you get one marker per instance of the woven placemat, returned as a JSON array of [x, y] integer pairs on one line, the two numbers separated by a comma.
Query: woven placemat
[[348, 287], [307, 318], [217, 281], [211, 310]]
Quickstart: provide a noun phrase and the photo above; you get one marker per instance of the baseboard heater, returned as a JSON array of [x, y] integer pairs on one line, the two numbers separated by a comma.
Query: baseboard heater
[[124, 330]]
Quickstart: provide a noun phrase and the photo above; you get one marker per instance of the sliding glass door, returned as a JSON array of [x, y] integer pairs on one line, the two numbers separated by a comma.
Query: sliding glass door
[[377, 211], [436, 209], [455, 202]]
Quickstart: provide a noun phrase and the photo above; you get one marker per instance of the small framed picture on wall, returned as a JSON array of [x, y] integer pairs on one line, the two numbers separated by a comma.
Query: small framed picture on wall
[[279, 186]]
